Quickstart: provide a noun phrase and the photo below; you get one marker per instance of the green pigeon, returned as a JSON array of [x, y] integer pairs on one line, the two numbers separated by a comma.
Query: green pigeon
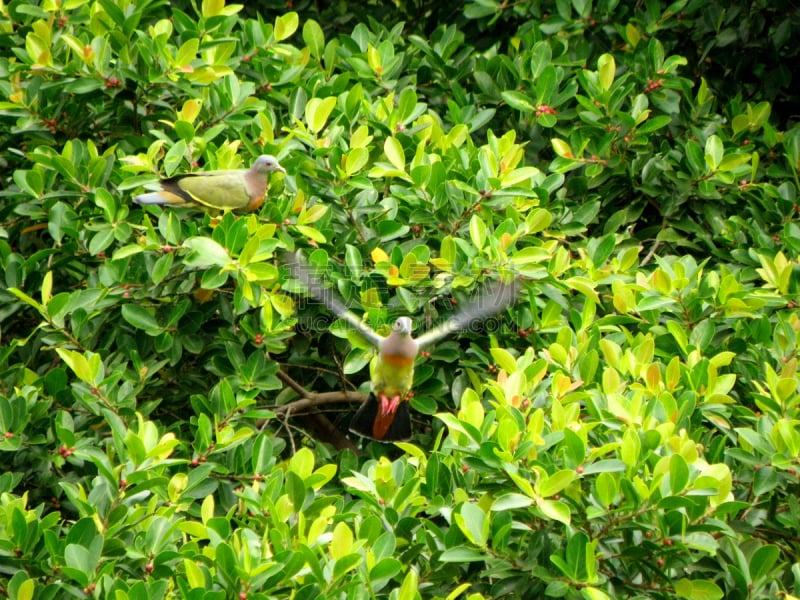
[[384, 416], [239, 189]]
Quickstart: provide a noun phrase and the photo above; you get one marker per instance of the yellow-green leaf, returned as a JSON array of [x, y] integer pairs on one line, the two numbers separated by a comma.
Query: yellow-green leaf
[[47, 287], [394, 152], [562, 148], [312, 214], [355, 160], [187, 52], [556, 510], [632, 34], [317, 112], [342, 541], [190, 110], [286, 25], [606, 67], [477, 231], [212, 8]]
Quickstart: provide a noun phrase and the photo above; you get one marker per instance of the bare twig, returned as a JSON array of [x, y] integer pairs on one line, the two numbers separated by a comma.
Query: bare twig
[[306, 407]]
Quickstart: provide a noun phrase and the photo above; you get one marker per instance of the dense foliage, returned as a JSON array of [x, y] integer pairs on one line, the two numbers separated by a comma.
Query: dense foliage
[[173, 409]]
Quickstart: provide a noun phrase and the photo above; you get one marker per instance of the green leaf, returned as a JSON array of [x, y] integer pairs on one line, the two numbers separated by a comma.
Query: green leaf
[[314, 38], [556, 510], [462, 554], [698, 589], [86, 369], [678, 473], [714, 152], [386, 568], [141, 318], [762, 561], [511, 501], [518, 101], [206, 253], [473, 522], [553, 484]]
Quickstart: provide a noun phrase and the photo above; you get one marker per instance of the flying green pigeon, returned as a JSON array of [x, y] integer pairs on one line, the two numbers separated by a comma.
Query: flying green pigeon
[[384, 416], [241, 189]]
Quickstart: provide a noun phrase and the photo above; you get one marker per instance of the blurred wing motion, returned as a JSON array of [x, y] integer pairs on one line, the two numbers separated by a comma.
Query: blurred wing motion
[[488, 303], [328, 297]]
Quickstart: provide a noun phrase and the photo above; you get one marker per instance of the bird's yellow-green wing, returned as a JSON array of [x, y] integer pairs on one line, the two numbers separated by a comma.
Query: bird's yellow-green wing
[[221, 190]]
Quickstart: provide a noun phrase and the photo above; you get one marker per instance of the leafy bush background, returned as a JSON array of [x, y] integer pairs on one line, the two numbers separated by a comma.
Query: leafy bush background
[[627, 429]]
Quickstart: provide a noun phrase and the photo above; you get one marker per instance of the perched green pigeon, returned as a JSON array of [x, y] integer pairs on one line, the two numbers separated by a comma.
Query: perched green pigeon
[[241, 189], [384, 415]]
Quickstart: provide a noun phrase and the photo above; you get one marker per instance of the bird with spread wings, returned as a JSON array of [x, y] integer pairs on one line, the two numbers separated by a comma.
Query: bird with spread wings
[[384, 416]]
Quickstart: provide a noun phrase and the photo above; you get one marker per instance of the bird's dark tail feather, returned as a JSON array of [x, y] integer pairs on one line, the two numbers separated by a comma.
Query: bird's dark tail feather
[[364, 422]]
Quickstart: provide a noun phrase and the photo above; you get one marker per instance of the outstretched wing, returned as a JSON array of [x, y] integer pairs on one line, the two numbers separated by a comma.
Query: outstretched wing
[[488, 303], [328, 297]]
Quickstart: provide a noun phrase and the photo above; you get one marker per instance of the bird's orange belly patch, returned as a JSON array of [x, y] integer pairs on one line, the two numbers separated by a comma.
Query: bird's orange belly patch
[[397, 360], [256, 203]]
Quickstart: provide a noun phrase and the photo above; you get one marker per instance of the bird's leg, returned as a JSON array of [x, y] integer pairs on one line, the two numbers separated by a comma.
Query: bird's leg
[[389, 406]]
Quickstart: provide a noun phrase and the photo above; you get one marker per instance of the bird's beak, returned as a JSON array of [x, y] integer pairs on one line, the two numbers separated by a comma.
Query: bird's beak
[[281, 169]]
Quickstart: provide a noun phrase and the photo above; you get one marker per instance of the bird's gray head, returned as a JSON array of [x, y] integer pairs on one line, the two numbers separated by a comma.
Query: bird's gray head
[[267, 164], [402, 326]]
